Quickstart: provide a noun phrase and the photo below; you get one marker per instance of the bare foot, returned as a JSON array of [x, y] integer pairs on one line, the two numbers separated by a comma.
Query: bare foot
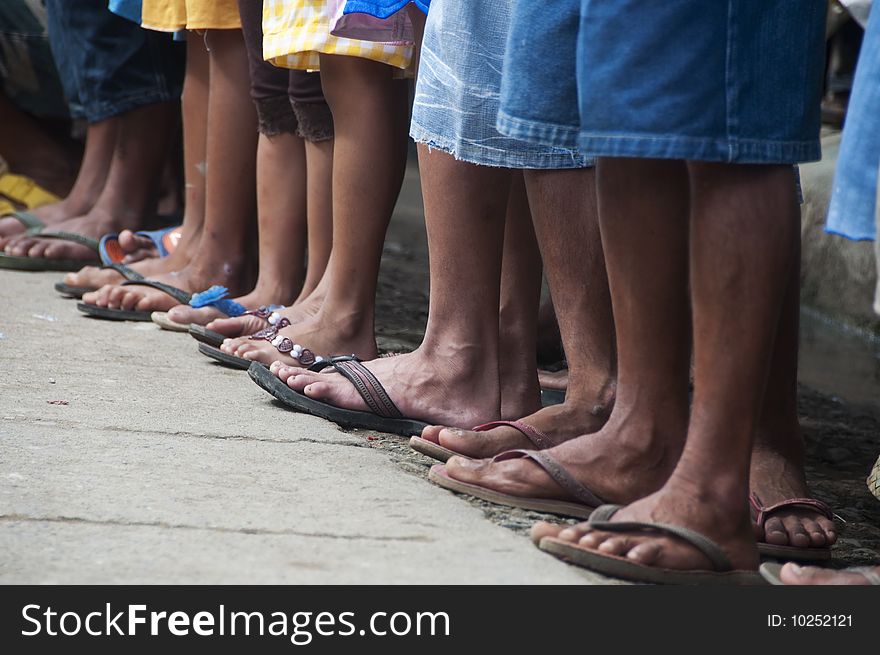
[[777, 476], [242, 326], [49, 214], [94, 224], [191, 278], [629, 458], [711, 514], [455, 389], [321, 334], [559, 423], [792, 574]]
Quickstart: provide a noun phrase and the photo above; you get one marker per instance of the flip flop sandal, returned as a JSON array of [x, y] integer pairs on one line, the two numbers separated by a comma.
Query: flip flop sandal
[[78, 292], [161, 319], [441, 453], [384, 417], [795, 553], [587, 501], [770, 572], [72, 291], [232, 361], [48, 263], [722, 571], [203, 335], [304, 356], [552, 397], [165, 241], [106, 313], [217, 297]]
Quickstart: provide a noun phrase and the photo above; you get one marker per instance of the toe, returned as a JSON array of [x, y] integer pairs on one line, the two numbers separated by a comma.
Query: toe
[[775, 532], [543, 529], [646, 553]]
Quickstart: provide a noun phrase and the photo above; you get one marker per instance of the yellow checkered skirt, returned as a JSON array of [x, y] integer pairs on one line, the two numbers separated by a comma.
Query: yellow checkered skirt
[[296, 32], [173, 15]]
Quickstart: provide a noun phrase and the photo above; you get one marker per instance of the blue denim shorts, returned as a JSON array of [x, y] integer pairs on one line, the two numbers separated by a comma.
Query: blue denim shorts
[[539, 102], [458, 89], [853, 208], [109, 65], [711, 81]]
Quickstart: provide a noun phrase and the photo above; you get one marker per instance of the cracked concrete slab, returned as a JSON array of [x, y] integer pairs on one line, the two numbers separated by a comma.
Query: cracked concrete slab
[[165, 468]]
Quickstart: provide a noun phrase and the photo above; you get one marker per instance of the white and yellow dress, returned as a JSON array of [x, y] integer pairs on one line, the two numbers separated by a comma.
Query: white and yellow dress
[[296, 32]]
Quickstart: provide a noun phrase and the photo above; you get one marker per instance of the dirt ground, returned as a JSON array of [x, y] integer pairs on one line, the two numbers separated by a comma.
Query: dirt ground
[[842, 441]]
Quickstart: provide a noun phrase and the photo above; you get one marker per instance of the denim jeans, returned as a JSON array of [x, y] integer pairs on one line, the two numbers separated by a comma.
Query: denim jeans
[[109, 65], [28, 75], [459, 86], [735, 82], [854, 199]]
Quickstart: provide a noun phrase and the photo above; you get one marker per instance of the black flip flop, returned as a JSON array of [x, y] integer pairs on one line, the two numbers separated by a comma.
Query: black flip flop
[[204, 335], [19, 263], [78, 292], [226, 359], [391, 420], [94, 311], [72, 291]]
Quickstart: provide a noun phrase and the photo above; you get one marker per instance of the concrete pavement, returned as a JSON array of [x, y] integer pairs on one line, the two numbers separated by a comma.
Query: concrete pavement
[[158, 466]]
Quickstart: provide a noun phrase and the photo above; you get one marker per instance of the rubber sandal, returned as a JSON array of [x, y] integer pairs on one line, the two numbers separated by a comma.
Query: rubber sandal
[[20, 263], [131, 315], [722, 571], [770, 571], [72, 291], [165, 241], [432, 449], [587, 501], [78, 292], [161, 319], [794, 553], [231, 361], [385, 417], [203, 335], [217, 297]]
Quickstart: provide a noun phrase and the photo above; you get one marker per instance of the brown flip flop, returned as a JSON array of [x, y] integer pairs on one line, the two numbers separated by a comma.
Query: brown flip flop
[[794, 553], [582, 507], [442, 453], [721, 573]]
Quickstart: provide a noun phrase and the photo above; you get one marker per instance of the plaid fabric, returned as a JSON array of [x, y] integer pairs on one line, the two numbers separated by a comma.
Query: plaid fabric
[[295, 32]]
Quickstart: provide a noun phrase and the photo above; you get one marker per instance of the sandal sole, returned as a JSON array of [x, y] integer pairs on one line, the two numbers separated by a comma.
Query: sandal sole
[[557, 507], [346, 418]]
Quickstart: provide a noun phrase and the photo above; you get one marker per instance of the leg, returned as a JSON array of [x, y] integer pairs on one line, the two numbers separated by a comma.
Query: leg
[[93, 171], [636, 450], [777, 468], [566, 221], [369, 155], [194, 102], [229, 191], [453, 376], [128, 197], [518, 314], [744, 223]]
